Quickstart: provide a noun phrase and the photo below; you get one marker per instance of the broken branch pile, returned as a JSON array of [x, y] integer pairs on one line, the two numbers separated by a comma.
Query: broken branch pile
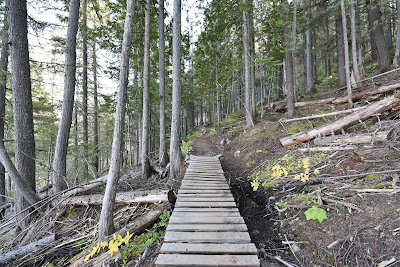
[[346, 121]]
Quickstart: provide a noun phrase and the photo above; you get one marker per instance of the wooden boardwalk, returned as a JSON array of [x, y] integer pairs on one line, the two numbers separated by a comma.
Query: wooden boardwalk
[[205, 228]]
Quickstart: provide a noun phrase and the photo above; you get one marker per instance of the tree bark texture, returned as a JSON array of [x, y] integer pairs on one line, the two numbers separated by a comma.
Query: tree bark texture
[[397, 52], [96, 161], [370, 110], [3, 88], [247, 68], [85, 88], [288, 65], [22, 105], [378, 36], [106, 224], [354, 45], [175, 145], [146, 168], [310, 87], [346, 55], [340, 52], [60, 153], [163, 155]]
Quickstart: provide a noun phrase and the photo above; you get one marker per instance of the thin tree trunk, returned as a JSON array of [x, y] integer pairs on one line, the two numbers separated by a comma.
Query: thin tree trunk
[[378, 36], [354, 45], [310, 87], [22, 106], [175, 145], [346, 55], [106, 224], [247, 68], [96, 162], [296, 88], [146, 168], [60, 154], [288, 63], [397, 53], [163, 155], [85, 89], [340, 52], [3, 87]]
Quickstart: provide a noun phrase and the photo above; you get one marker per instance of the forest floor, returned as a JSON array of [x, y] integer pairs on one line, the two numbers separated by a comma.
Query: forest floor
[[360, 229]]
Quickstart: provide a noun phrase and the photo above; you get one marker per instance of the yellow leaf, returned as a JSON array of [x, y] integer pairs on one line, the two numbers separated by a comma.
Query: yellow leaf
[[114, 237], [113, 248], [94, 232], [104, 244], [127, 237], [316, 172]]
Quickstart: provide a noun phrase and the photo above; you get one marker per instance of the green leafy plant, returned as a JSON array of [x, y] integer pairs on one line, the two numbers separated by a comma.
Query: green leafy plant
[[315, 213], [139, 243]]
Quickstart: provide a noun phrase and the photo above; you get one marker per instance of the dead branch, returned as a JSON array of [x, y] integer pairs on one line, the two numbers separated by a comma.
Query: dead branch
[[346, 204], [373, 190], [22, 251], [327, 148], [324, 115], [121, 198], [353, 139], [360, 115]]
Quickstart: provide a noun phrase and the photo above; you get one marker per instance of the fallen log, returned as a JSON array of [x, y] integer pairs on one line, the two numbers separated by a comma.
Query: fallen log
[[327, 148], [22, 251], [303, 104], [5, 206], [121, 198], [340, 100], [371, 138], [324, 115], [138, 226], [380, 90], [362, 114]]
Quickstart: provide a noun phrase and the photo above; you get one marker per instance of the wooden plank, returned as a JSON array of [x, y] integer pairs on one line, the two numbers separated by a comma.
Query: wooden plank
[[206, 220], [207, 227], [207, 237], [182, 204], [205, 209], [186, 187], [208, 214], [205, 199], [204, 181], [227, 194], [211, 191], [186, 248]]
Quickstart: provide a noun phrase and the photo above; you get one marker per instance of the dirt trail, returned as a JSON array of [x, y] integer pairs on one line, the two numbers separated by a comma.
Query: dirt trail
[[206, 146]]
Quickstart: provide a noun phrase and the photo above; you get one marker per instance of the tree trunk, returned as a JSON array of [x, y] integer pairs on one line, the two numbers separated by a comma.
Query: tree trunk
[[288, 64], [146, 168], [247, 67], [397, 53], [279, 81], [163, 155], [85, 89], [354, 45], [96, 161], [60, 154], [340, 52], [3, 87], [106, 224], [346, 55], [378, 36], [310, 87], [175, 144], [22, 106], [296, 87]]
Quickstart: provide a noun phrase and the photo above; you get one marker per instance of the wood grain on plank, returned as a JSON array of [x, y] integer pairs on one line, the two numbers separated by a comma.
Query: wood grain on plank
[[187, 248]]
